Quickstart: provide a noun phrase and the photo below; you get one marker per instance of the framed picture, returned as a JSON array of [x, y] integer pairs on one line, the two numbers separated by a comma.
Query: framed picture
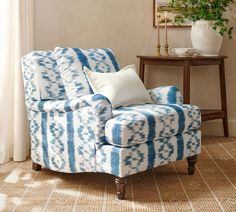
[[161, 7]]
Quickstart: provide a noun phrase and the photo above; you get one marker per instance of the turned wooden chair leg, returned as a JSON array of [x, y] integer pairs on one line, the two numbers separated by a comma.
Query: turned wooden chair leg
[[36, 167], [120, 184], [191, 164]]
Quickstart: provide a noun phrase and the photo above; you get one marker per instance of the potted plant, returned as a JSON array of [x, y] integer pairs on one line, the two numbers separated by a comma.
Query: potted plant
[[209, 22]]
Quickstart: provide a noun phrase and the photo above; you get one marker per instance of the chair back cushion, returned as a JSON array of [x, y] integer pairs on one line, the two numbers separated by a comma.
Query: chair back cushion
[[71, 62], [42, 78]]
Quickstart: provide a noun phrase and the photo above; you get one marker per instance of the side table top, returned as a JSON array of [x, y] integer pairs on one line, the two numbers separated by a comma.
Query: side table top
[[174, 57]]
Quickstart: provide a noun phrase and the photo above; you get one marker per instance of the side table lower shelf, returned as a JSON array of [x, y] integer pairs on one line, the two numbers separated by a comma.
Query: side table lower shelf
[[212, 114], [208, 115]]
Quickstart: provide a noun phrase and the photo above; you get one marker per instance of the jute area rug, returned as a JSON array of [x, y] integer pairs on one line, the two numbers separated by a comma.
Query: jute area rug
[[166, 188]]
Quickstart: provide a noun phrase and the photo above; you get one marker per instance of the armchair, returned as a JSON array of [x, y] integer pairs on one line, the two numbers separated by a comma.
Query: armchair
[[87, 135]]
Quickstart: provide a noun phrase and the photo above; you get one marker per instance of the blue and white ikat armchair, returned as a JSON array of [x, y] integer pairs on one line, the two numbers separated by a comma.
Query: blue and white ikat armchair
[[86, 135]]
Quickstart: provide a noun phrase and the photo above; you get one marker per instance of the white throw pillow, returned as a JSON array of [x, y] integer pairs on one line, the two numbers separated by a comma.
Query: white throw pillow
[[122, 88]]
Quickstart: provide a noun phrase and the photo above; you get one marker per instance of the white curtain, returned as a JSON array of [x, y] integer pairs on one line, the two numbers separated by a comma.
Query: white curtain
[[16, 40]]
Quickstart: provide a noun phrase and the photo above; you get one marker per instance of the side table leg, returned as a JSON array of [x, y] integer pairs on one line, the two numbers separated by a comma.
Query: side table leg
[[186, 82], [223, 97], [141, 70]]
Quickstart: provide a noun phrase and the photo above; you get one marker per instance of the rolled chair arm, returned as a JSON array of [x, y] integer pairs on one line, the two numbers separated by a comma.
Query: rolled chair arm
[[166, 95], [97, 101]]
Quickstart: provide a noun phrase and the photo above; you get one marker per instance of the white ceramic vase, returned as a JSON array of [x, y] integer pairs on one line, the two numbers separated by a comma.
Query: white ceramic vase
[[205, 39]]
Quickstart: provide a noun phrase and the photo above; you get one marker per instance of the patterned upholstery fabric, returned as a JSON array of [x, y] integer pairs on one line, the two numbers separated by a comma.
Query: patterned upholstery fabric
[[65, 134], [139, 124], [71, 135], [71, 62], [42, 77], [137, 158], [166, 95]]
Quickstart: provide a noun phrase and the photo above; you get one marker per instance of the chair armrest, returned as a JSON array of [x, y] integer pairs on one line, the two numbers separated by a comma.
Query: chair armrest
[[166, 95], [72, 130], [90, 111], [96, 101]]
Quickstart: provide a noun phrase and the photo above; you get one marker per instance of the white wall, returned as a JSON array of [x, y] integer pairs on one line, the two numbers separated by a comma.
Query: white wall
[[126, 27]]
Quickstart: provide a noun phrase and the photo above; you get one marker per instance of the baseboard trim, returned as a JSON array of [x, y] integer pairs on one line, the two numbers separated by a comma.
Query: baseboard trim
[[215, 128]]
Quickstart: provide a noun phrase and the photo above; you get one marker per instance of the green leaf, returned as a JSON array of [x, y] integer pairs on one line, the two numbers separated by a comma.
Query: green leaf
[[194, 10]]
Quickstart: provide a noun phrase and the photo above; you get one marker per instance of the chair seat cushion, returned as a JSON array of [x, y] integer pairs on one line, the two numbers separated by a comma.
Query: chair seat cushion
[[138, 124]]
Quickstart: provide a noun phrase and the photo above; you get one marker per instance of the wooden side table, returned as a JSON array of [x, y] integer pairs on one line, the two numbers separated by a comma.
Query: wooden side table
[[186, 63]]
